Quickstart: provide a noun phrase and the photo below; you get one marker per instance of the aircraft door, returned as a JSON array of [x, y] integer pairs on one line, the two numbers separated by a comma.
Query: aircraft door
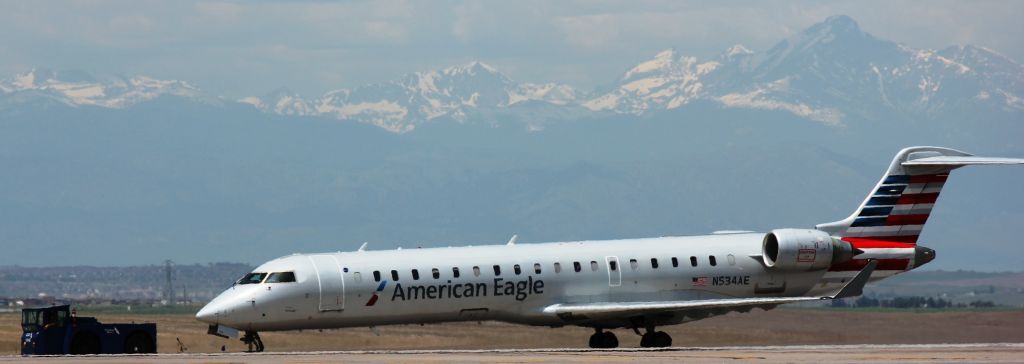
[[332, 283], [614, 271]]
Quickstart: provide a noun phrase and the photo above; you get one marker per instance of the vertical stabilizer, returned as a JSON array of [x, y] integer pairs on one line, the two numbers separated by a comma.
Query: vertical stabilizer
[[898, 207]]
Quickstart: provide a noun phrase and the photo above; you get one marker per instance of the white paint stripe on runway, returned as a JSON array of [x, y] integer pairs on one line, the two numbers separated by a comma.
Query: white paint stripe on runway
[[553, 350]]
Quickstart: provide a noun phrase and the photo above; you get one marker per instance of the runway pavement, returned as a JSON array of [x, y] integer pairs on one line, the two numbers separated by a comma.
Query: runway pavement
[[975, 353]]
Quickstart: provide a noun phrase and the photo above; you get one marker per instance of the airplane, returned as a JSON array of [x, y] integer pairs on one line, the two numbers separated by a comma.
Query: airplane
[[637, 284]]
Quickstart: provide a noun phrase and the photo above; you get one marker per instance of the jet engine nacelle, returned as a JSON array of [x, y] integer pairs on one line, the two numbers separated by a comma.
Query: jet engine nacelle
[[803, 250]]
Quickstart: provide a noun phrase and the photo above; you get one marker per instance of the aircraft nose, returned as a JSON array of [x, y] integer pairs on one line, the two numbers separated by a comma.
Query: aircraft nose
[[216, 311], [207, 314]]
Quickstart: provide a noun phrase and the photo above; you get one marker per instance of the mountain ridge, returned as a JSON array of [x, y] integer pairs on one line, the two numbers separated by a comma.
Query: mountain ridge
[[829, 73]]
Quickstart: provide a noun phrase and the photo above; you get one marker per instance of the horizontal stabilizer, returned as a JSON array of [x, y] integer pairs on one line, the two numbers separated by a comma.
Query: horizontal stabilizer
[[960, 161]]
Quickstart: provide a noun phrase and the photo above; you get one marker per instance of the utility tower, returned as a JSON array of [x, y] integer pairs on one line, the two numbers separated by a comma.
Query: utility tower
[[169, 287]]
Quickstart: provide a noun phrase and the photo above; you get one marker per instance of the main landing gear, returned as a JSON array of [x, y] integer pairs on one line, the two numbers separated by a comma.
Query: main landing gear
[[603, 339], [252, 338], [654, 339]]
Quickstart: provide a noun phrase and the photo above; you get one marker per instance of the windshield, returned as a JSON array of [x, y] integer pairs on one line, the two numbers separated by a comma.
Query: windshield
[[281, 277], [252, 278]]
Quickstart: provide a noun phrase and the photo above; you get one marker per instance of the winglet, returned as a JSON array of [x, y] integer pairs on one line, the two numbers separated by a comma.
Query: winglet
[[362, 248], [513, 240], [856, 286]]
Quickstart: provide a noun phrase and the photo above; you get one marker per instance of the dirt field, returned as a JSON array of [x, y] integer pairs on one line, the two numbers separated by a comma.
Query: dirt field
[[777, 327]]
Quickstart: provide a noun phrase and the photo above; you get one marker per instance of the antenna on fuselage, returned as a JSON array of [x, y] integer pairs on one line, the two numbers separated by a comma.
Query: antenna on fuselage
[[513, 240], [362, 248]]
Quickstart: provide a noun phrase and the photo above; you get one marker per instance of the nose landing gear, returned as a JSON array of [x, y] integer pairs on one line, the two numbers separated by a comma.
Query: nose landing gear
[[252, 339]]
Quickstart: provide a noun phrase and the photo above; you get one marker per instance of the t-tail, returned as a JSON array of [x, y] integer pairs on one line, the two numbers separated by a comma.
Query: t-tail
[[887, 225]]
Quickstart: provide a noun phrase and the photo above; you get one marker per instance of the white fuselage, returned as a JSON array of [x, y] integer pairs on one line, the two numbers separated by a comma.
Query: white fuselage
[[630, 283], [333, 290]]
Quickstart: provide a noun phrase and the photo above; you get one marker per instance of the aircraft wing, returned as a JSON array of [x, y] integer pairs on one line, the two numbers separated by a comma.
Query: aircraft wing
[[605, 309]]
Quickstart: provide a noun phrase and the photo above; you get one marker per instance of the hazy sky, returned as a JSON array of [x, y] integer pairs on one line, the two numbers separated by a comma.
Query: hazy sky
[[240, 48]]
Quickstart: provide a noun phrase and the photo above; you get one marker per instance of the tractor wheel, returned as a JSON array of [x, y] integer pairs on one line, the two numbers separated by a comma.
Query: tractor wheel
[[85, 343], [139, 343]]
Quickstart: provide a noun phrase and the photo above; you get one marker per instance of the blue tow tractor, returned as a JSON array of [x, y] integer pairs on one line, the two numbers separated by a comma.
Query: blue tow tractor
[[57, 330]]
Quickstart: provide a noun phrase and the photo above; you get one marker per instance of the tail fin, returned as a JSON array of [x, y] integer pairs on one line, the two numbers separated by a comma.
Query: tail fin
[[899, 205]]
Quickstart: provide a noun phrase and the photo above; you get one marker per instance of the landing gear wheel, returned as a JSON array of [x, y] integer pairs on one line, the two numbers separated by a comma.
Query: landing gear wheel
[[661, 339], [609, 341], [645, 340], [603, 340], [658, 339], [252, 339]]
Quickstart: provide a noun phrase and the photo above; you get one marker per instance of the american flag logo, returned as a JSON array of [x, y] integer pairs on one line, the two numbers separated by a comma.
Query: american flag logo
[[700, 281]]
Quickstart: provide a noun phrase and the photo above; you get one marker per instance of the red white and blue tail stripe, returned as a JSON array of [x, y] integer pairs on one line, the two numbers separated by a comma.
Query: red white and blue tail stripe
[[898, 209], [887, 225]]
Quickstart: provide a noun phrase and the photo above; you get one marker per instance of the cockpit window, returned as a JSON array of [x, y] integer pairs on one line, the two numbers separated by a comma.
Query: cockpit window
[[252, 278], [281, 277]]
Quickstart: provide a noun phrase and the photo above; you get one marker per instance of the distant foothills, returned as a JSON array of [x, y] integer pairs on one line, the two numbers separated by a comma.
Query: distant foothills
[[831, 73], [195, 284]]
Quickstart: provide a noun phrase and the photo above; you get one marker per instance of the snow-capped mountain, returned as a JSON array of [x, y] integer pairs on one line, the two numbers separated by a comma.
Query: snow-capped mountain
[[666, 82], [420, 97], [832, 73], [824, 73], [80, 88], [281, 101]]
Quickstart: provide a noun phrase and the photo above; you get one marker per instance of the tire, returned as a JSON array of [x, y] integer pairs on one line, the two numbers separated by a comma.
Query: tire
[[595, 341], [645, 340], [139, 343], [85, 343], [609, 341], [661, 339]]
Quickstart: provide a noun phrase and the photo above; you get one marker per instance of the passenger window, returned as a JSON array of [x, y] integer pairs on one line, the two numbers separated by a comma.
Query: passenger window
[[281, 277], [693, 261], [613, 265], [394, 275], [415, 275], [675, 262], [593, 266], [455, 272], [633, 264], [376, 276], [344, 269], [536, 268], [711, 259], [516, 269], [731, 259], [654, 263], [577, 267], [476, 271], [358, 277], [497, 270], [558, 267], [436, 273]]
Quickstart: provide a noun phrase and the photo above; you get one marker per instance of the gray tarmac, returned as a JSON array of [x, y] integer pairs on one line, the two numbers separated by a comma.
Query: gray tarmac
[[930, 353]]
